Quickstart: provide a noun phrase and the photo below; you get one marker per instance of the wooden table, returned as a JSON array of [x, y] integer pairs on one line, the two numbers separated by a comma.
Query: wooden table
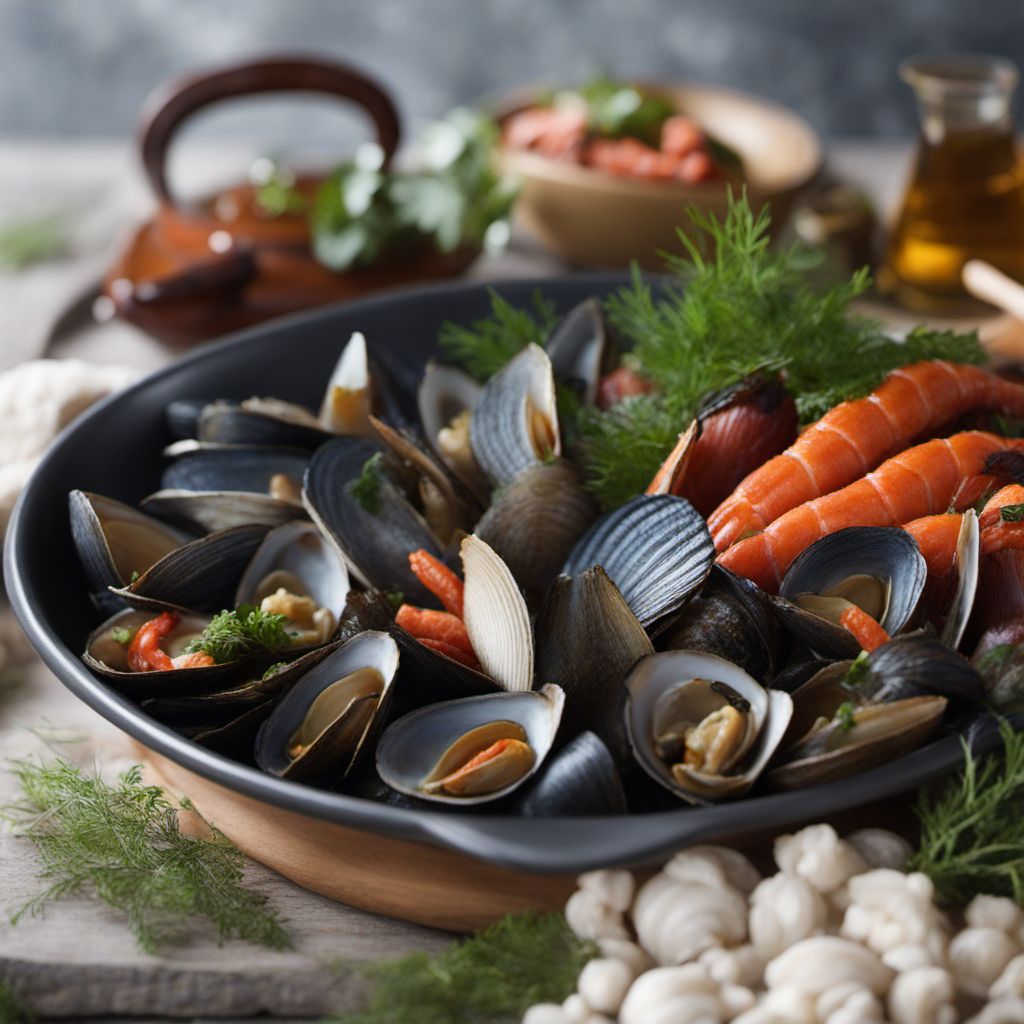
[[78, 959]]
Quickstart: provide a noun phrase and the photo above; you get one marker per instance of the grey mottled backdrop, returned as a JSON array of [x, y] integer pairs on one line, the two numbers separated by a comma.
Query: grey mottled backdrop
[[82, 67]]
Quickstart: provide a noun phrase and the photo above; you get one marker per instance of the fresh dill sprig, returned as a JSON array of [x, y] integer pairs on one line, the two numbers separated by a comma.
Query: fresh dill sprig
[[233, 634], [486, 345], [493, 976], [33, 240], [972, 827], [366, 487], [14, 1009], [1012, 513], [122, 843]]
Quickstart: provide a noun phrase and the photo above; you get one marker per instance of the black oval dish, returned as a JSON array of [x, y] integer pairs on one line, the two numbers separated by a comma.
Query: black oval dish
[[115, 449]]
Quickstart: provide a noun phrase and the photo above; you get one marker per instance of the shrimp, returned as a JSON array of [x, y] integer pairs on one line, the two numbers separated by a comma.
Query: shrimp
[[146, 655], [854, 437], [919, 481]]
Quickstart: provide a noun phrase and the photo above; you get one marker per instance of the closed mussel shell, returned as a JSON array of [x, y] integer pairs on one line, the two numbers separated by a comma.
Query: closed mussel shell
[[878, 568], [422, 749], [260, 421], [535, 521], [235, 468], [580, 780], [914, 665], [325, 721], [656, 549], [182, 415], [209, 511]]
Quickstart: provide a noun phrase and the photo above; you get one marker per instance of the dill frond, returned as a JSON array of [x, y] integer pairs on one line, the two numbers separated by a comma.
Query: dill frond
[[486, 345], [122, 843], [233, 634], [366, 487], [14, 1009], [493, 976], [972, 827]]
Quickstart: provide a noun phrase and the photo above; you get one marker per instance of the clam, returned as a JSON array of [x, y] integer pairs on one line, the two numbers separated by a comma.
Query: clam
[[297, 573], [587, 642], [322, 724], [446, 399], [473, 750], [656, 549], [578, 349], [868, 735], [117, 543], [700, 725], [730, 617], [515, 423], [878, 569], [535, 521], [580, 780]]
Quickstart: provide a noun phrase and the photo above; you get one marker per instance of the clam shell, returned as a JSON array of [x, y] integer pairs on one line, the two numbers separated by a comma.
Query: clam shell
[[656, 549], [515, 423], [887, 553], [580, 780], [668, 676], [412, 746], [209, 511], [578, 347], [535, 521], [335, 750]]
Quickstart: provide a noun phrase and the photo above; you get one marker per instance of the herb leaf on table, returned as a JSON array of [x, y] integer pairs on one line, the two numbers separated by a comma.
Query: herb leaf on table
[[122, 843]]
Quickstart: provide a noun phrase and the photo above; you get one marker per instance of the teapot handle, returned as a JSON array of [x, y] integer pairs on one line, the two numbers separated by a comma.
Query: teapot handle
[[169, 106]]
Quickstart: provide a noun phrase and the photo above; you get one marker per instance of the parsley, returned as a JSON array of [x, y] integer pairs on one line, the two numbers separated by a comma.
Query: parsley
[[233, 634], [123, 844], [486, 345], [846, 717], [858, 671], [493, 976], [972, 827], [1012, 513], [615, 110], [366, 487], [135, 575], [395, 598], [273, 669], [122, 635]]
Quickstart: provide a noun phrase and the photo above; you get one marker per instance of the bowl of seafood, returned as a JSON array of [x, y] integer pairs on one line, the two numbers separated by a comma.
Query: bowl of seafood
[[606, 168], [380, 596]]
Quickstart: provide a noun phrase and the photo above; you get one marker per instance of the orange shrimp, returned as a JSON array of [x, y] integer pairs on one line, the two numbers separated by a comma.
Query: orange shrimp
[[854, 437], [144, 652], [998, 534], [866, 630], [439, 580], [937, 537], [464, 657], [919, 481], [428, 624]]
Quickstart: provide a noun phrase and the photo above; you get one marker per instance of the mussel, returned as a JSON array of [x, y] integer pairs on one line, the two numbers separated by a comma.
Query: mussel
[[579, 347], [446, 398], [473, 750], [323, 723], [700, 725], [880, 570]]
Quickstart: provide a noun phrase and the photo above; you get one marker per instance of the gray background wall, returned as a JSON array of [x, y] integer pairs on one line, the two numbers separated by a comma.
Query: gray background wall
[[82, 67]]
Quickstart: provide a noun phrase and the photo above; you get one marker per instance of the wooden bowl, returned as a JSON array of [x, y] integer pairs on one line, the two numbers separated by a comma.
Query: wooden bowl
[[593, 218]]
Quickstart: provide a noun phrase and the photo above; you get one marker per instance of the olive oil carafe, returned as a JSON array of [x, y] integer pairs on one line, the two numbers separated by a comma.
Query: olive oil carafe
[[965, 199]]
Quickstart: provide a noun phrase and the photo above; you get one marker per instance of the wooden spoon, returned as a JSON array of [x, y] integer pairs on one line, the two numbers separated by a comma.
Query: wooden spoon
[[1003, 336]]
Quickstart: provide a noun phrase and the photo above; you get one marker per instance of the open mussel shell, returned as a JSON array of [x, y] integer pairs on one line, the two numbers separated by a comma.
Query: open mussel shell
[[671, 693], [515, 423], [967, 568], [322, 724], [578, 348], [298, 558], [447, 394], [199, 576], [587, 642], [656, 549], [423, 748], [871, 735], [209, 511], [729, 616], [108, 657], [250, 469], [260, 421], [580, 780], [535, 521], [374, 534], [116, 542], [878, 568]]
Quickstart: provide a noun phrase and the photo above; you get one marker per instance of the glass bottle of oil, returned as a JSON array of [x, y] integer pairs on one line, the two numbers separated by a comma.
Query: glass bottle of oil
[[965, 199]]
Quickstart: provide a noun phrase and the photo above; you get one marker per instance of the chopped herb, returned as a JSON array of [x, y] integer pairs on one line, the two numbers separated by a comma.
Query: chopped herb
[[486, 345], [272, 669], [233, 634], [1012, 513], [395, 598], [366, 487], [123, 635], [14, 1009], [135, 575], [858, 670], [972, 827], [493, 976], [846, 717], [32, 240], [123, 844]]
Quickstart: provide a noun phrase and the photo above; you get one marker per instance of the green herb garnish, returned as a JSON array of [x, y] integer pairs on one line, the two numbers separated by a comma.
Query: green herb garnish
[[972, 827], [366, 487], [135, 575], [494, 976], [14, 1009], [846, 717], [122, 635], [123, 844], [33, 240], [486, 345], [273, 669], [395, 598], [615, 110], [858, 670], [233, 634], [1012, 513]]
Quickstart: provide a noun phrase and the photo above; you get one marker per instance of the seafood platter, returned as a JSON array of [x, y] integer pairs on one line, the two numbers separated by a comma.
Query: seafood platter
[[380, 594]]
